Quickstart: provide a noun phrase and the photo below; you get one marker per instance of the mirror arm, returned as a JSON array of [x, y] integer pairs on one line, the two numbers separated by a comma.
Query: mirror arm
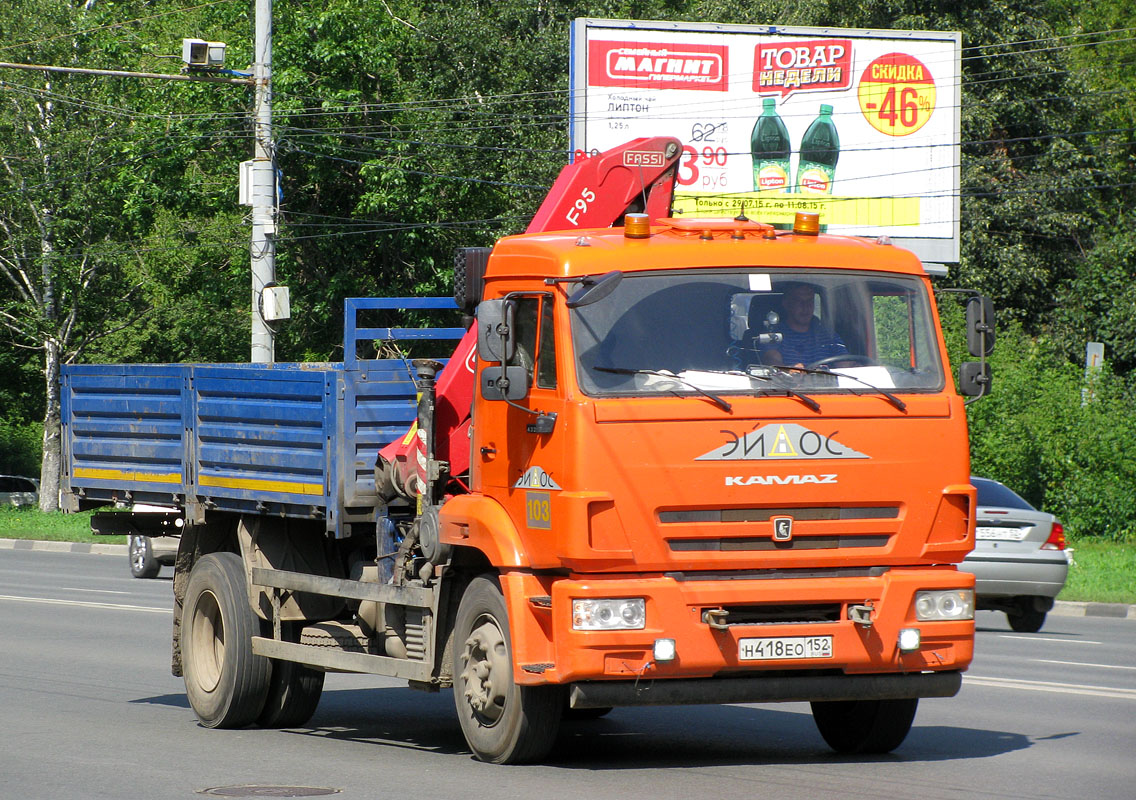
[[544, 422]]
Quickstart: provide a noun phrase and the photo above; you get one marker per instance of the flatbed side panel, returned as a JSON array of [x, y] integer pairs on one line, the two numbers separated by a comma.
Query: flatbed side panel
[[380, 395], [379, 407], [125, 429], [264, 437]]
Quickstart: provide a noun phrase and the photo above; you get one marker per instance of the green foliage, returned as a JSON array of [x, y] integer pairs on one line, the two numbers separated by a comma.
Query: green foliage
[[21, 448]]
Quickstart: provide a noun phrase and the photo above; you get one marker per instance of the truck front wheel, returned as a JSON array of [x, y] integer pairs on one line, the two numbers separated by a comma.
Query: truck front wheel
[[225, 681], [503, 723], [864, 726]]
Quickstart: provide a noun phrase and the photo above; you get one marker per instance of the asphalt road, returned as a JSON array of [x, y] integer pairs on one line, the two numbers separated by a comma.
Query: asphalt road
[[90, 710]]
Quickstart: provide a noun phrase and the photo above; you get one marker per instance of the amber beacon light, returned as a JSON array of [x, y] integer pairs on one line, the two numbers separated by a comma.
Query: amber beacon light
[[636, 226], [807, 223]]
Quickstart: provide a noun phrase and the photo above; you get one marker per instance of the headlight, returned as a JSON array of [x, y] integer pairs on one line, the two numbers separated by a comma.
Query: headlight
[[949, 605], [622, 613]]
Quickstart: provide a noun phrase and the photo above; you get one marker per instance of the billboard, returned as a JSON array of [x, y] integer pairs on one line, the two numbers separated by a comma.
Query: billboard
[[861, 126]]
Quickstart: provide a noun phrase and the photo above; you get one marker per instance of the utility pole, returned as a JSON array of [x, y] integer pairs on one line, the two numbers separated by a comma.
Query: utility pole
[[263, 188]]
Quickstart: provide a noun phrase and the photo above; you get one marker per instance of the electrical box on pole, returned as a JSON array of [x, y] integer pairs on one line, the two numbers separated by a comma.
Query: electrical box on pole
[[199, 53]]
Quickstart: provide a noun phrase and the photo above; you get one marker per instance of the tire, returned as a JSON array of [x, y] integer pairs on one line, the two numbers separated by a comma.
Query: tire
[[142, 561], [225, 681], [1025, 617], [864, 726], [503, 723], [293, 691]]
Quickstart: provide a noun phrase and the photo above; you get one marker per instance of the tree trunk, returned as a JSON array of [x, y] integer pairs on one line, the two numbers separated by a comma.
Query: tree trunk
[[52, 454]]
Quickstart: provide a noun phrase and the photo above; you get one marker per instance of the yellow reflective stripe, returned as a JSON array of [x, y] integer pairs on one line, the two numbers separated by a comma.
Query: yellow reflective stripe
[[122, 475], [285, 487]]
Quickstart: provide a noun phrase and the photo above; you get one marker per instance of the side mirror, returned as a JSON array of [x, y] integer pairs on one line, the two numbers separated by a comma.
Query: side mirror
[[975, 378], [504, 383], [495, 342], [980, 326]]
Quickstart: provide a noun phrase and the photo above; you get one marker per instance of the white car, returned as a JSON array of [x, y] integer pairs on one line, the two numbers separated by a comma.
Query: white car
[[1019, 559], [16, 490], [153, 535]]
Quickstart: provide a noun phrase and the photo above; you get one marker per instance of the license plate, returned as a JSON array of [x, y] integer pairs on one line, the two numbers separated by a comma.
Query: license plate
[[1000, 534], [785, 647]]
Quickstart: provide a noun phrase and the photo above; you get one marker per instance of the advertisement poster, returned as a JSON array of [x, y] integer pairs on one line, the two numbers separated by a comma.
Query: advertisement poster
[[860, 126]]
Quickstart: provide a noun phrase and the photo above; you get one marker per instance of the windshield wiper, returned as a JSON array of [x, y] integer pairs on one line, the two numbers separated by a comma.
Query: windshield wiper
[[895, 401], [717, 400], [789, 392]]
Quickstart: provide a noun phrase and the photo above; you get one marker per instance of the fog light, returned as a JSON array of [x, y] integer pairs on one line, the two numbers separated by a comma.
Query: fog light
[[623, 613], [955, 604], [665, 650], [909, 640]]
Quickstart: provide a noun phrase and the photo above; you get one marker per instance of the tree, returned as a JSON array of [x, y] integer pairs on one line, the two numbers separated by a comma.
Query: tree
[[74, 200]]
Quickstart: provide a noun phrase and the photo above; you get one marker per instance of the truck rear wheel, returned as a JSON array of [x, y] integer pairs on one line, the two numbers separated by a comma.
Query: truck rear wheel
[[503, 723], [225, 681], [294, 690], [864, 726]]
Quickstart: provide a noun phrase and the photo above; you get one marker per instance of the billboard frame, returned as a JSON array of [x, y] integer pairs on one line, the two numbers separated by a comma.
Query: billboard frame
[[931, 250]]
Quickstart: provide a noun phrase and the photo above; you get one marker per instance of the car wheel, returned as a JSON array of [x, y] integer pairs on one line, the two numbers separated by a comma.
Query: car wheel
[[226, 682], [864, 726], [1025, 618], [294, 690], [142, 561], [503, 723]]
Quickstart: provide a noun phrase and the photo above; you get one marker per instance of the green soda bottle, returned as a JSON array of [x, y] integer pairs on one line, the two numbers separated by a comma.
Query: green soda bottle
[[769, 146], [820, 150]]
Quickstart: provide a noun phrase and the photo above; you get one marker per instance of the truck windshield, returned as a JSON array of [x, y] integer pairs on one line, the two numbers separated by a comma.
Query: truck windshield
[[747, 331]]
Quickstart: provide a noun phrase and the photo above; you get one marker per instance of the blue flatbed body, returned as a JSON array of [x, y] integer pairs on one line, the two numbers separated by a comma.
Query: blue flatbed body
[[287, 439]]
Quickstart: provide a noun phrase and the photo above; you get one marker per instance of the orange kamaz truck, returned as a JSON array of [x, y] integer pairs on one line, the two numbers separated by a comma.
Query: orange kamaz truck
[[671, 461]]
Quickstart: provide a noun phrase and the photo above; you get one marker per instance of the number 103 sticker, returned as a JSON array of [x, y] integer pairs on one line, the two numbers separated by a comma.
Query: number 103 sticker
[[897, 94]]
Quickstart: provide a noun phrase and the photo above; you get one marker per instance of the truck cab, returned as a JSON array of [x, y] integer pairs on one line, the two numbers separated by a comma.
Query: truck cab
[[679, 504]]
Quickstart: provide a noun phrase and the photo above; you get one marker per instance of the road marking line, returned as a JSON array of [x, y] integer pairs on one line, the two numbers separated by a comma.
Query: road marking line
[[1046, 639], [98, 591], [1057, 688], [113, 606], [1080, 664]]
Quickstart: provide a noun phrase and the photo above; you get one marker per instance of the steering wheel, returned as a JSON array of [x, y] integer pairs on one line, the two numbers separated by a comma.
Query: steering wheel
[[856, 358]]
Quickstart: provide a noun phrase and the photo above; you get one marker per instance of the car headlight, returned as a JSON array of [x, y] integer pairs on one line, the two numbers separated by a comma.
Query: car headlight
[[944, 605], [621, 613]]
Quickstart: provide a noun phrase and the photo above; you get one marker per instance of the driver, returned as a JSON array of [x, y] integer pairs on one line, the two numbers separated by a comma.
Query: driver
[[804, 338]]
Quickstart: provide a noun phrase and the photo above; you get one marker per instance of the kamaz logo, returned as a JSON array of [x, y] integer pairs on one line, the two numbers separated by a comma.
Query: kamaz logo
[[778, 480]]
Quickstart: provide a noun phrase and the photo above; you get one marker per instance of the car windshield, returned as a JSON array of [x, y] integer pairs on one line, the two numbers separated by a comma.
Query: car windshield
[[992, 493], [748, 330]]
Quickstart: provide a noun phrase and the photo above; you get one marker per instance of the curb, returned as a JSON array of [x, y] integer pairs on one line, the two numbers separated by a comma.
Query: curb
[[1065, 608], [1062, 608], [64, 547]]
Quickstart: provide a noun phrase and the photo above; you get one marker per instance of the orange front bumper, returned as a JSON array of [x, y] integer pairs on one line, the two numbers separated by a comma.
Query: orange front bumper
[[547, 649]]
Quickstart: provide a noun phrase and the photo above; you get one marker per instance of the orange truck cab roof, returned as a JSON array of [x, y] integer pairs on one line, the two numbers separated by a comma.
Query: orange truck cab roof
[[592, 251]]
